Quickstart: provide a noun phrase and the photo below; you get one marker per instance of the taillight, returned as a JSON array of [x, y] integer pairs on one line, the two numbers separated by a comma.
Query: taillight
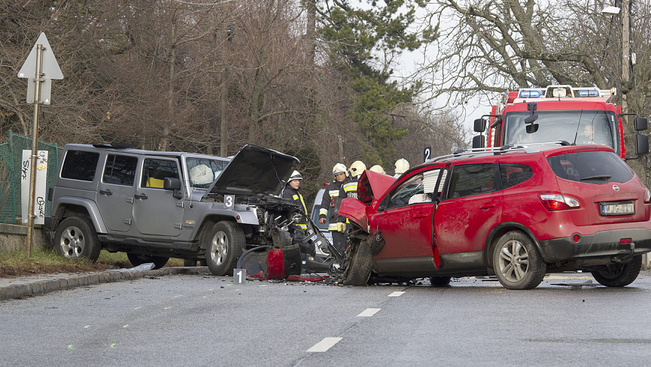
[[647, 195], [558, 202]]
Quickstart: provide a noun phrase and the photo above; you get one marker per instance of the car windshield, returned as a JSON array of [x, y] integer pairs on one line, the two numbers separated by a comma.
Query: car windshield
[[203, 171], [593, 167], [580, 127]]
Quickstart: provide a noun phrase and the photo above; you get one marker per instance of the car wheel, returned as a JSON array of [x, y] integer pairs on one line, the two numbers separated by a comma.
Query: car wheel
[[76, 237], [137, 259], [517, 263], [225, 241], [618, 275], [440, 281], [360, 266]]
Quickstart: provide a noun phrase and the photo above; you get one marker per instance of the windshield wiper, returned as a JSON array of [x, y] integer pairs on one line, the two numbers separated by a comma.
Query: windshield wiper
[[596, 177]]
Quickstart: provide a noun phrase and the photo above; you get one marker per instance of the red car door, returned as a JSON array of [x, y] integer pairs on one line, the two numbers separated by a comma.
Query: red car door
[[468, 213], [405, 223]]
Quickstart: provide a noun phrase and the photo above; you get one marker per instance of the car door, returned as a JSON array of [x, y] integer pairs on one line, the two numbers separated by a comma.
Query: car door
[[115, 191], [155, 210], [405, 224], [469, 211]]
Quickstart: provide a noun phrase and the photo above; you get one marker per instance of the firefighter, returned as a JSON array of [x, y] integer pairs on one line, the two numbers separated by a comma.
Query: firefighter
[[330, 203], [377, 168], [292, 191], [402, 165], [356, 170]]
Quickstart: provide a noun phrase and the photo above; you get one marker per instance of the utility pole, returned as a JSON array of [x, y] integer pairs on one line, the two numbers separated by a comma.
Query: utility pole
[[626, 52]]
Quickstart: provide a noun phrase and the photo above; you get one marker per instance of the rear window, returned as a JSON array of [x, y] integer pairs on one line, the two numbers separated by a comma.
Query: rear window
[[592, 167], [80, 165]]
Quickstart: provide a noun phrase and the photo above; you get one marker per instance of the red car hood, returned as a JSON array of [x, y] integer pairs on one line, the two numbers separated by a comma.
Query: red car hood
[[370, 187]]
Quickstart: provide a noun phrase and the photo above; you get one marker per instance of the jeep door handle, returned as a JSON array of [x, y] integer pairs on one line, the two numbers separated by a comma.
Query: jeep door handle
[[106, 192], [140, 196]]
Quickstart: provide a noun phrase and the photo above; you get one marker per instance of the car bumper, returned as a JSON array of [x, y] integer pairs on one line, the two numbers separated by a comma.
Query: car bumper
[[615, 243]]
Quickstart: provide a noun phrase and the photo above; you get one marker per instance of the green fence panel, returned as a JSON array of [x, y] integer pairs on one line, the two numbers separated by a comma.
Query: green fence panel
[[11, 155]]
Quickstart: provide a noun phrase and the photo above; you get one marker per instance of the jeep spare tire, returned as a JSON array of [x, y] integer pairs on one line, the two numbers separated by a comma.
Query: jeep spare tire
[[224, 244], [75, 237]]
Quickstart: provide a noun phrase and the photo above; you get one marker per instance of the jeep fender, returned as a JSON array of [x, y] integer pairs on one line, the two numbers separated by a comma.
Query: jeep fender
[[217, 215], [90, 207], [501, 229]]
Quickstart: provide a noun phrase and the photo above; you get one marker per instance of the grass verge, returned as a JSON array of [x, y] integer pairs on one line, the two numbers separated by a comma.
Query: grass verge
[[47, 261]]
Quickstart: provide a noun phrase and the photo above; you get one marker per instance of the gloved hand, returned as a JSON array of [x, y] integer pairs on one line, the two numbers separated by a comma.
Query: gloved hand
[[341, 227]]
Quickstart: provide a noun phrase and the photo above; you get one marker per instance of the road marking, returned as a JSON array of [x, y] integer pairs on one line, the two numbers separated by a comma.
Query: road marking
[[324, 345], [396, 294], [87, 327], [368, 312]]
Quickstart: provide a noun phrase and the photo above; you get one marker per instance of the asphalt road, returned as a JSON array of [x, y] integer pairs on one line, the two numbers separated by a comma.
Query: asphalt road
[[199, 320]]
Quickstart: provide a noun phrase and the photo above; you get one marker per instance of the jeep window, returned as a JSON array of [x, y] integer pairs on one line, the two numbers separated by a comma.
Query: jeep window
[[513, 174], [80, 165], [594, 167], [203, 171], [156, 170], [417, 189], [120, 169], [472, 179]]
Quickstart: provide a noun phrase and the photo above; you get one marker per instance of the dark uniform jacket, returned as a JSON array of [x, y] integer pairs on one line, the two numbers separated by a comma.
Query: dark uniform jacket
[[295, 195], [330, 203]]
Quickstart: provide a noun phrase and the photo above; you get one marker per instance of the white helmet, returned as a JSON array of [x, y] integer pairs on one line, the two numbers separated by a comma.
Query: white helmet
[[338, 168], [377, 168], [357, 168], [295, 176], [401, 166]]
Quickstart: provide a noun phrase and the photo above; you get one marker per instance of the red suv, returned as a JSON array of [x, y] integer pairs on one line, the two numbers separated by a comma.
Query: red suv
[[517, 213]]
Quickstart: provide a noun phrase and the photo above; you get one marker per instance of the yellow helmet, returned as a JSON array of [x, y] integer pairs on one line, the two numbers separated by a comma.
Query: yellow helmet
[[377, 168], [401, 166], [357, 168], [338, 168]]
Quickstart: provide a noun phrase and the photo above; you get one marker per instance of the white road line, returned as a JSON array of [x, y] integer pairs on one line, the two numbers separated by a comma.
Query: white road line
[[368, 312], [396, 294], [324, 345]]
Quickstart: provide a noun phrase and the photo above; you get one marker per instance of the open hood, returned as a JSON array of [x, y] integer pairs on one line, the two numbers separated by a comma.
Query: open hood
[[372, 185], [255, 170]]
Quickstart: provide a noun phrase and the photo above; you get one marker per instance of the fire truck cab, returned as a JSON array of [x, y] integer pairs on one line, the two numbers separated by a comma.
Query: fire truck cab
[[583, 115]]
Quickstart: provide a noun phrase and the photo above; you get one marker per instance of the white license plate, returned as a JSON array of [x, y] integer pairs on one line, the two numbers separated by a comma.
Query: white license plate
[[622, 208]]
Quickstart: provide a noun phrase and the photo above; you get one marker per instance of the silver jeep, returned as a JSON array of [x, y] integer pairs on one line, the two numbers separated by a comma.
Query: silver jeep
[[155, 205]]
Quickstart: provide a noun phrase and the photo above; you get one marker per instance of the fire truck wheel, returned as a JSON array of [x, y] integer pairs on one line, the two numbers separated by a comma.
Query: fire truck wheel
[[224, 243], [618, 275]]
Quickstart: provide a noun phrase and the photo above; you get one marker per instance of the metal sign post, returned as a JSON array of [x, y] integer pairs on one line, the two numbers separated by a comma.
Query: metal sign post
[[40, 67]]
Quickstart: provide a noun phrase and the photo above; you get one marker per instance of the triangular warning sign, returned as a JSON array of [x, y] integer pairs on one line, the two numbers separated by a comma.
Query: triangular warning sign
[[49, 68]]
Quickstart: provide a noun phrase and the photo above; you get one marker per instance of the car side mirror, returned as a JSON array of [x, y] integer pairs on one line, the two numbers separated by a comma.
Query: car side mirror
[[173, 183], [480, 125], [640, 123]]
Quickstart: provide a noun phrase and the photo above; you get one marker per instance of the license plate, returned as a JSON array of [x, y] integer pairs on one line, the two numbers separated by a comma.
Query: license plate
[[622, 208]]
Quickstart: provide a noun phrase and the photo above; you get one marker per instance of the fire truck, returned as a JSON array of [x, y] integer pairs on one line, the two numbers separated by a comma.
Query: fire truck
[[562, 113]]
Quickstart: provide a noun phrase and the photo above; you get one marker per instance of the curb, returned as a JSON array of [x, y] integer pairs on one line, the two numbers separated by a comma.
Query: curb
[[38, 288]]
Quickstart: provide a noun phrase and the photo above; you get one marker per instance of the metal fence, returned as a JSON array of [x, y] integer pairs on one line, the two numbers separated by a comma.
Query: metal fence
[[10, 174]]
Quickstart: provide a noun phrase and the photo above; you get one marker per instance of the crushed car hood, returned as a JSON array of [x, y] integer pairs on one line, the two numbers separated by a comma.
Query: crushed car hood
[[255, 170], [372, 185]]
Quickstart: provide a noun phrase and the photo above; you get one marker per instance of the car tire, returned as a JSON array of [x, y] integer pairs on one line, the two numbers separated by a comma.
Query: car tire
[[517, 263], [137, 259], [224, 244], [440, 281], [618, 275], [360, 266], [76, 237]]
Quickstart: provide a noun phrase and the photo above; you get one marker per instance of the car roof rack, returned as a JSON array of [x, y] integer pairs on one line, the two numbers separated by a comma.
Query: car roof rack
[[477, 152]]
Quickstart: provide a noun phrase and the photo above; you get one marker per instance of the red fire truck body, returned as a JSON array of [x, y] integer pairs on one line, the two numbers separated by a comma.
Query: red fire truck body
[[560, 113]]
